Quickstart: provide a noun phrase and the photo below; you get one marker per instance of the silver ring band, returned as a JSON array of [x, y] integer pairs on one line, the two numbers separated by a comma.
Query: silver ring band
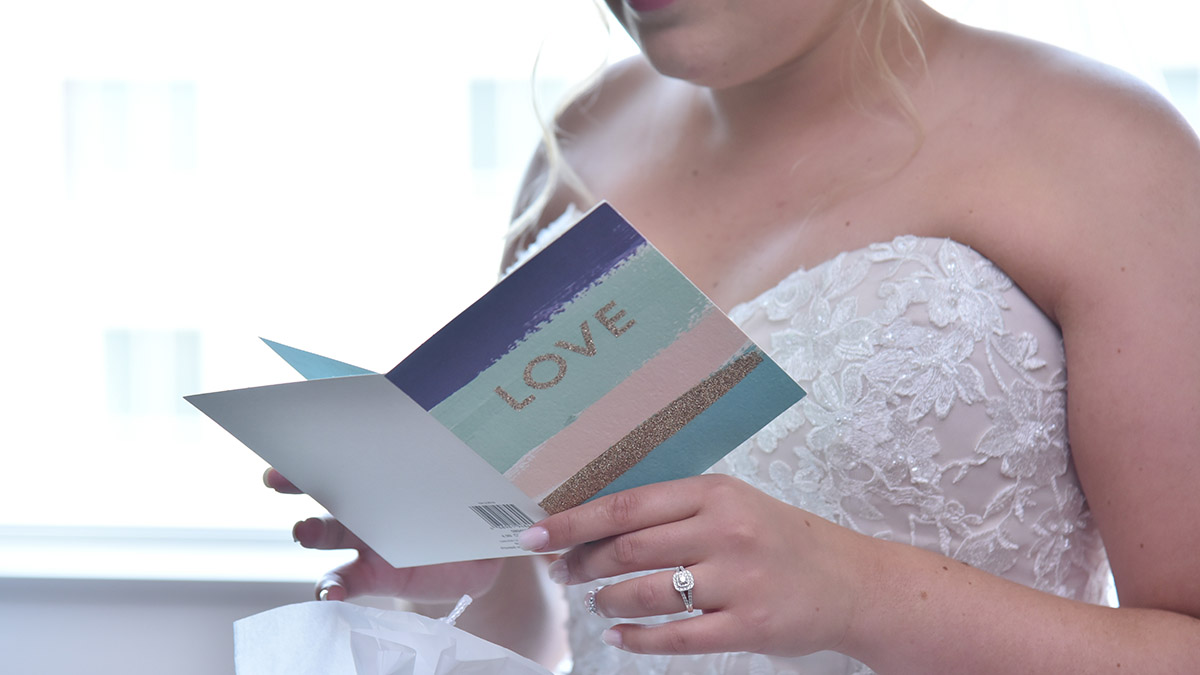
[[684, 582], [590, 600]]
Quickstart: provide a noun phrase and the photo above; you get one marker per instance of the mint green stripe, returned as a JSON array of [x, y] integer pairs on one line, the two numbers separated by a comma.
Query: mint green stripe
[[661, 301], [759, 398]]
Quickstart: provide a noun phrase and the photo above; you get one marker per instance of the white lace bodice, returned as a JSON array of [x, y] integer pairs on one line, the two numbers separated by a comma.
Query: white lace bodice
[[936, 416]]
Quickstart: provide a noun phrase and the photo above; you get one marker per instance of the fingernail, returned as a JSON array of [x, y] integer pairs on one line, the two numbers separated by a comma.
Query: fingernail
[[324, 594], [265, 474], [558, 571], [308, 528], [533, 539], [612, 638]]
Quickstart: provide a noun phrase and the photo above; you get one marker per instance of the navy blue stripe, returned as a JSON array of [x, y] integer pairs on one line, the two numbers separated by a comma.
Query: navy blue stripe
[[525, 299]]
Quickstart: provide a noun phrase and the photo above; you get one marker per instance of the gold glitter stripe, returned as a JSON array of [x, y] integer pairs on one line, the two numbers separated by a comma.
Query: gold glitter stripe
[[648, 435]]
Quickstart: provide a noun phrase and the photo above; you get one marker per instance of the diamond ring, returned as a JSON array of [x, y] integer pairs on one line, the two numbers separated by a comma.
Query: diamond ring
[[684, 583]]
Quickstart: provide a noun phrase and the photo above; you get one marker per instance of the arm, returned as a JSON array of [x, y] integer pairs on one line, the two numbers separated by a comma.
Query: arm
[[1125, 283], [814, 586]]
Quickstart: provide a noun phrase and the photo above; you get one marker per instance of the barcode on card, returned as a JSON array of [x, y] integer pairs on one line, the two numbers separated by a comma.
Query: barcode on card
[[502, 516]]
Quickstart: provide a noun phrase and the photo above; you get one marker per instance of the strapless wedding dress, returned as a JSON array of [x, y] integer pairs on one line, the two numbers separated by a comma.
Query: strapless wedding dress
[[935, 416]]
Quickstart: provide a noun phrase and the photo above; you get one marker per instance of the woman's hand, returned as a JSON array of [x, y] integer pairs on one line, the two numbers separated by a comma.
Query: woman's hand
[[769, 578], [369, 574]]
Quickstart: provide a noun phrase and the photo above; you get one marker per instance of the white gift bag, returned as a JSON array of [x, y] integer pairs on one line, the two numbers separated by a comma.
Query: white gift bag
[[338, 638]]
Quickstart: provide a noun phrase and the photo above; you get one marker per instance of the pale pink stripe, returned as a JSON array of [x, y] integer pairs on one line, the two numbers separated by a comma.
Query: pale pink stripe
[[694, 355]]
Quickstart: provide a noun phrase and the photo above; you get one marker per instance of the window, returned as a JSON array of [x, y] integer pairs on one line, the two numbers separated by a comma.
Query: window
[[126, 137], [500, 107], [180, 178], [146, 370], [1183, 87]]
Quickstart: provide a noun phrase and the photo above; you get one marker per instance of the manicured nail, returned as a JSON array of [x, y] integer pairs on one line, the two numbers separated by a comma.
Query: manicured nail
[[324, 594], [612, 638], [558, 571], [311, 529], [533, 539]]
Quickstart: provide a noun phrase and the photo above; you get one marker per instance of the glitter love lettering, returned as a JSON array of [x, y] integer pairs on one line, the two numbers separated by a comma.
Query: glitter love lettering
[[612, 322]]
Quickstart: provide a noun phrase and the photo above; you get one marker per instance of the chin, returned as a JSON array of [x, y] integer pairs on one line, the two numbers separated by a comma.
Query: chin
[[702, 75], [689, 63]]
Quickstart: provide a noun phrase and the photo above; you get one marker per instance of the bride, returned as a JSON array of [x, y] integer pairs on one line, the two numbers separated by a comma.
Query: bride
[[934, 229]]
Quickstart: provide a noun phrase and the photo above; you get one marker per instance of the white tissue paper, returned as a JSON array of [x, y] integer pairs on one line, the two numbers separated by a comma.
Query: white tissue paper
[[338, 638]]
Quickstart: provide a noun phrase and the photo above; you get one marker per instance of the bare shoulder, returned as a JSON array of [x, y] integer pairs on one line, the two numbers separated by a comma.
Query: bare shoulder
[[1033, 80], [1069, 112], [1114, 166], [597, 116], [1099, 179], [1075, 112], [1075, 158], [604, 99]]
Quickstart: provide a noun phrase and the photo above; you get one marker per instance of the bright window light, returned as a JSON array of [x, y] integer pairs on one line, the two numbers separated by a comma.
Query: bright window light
[[180, 178]]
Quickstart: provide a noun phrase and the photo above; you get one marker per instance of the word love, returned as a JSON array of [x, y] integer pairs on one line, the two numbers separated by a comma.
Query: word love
[[588, 349]]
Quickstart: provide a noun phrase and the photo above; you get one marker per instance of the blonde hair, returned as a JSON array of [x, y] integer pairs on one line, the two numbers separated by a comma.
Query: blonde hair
[[893, 20], [888, 15], [558, 172]]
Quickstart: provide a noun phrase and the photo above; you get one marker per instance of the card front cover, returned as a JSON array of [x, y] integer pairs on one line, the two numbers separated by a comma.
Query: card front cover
[[594, 367]]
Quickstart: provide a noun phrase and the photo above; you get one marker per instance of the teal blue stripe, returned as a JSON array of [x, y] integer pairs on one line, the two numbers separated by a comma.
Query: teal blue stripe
[[314, 366], [759, 398], [654, 294]]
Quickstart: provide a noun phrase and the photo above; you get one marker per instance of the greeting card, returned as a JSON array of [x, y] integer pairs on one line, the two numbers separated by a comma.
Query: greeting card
[[594, 367]]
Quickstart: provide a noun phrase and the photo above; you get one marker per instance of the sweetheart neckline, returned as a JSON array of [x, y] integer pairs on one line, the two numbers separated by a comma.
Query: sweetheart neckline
[[804, 269]]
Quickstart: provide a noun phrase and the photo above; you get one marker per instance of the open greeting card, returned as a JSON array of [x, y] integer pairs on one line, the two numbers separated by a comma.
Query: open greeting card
[[594, 367]]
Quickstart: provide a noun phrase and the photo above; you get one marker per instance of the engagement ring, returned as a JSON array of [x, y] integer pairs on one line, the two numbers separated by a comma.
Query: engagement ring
[[684, 583]]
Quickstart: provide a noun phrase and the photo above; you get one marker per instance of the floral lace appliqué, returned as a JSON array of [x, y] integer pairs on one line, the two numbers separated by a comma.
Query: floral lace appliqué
[[935, 416]]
